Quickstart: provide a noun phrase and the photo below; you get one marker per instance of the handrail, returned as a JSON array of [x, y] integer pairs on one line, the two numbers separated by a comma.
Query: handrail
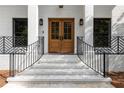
[[27, 55], [21, 61], [88, 55]]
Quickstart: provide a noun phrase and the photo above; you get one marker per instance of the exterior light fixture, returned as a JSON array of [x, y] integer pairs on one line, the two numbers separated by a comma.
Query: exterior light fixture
[[60, 6], [81, 22], [41, 22]]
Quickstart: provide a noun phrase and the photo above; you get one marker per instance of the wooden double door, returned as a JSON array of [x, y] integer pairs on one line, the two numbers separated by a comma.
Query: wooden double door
[[61, 35]]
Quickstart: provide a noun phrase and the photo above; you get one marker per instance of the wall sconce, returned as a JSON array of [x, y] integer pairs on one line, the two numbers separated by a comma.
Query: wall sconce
[[60, 6], [41, 22], [81, 22]]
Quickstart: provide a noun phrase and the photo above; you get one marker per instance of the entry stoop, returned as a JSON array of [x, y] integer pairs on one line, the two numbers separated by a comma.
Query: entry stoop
[[54, 71]]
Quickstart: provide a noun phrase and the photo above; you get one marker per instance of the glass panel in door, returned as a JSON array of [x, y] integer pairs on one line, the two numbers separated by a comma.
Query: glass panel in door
[[67, 30], [55, 30]]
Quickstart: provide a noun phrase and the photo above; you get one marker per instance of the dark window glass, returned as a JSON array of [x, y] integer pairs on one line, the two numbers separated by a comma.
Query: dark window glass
[[67, 30], [102, 32], [20, 32], [55, 30]]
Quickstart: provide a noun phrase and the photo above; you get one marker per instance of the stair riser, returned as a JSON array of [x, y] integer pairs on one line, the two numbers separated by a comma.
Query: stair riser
[[59, 63], [60, 85], [37, 78], [57, 68], [58, 73], [68, 65], [57, 82], [67, 81]]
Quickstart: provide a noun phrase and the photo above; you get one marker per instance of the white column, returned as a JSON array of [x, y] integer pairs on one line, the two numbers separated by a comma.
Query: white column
[[88, 23], [32, 23]]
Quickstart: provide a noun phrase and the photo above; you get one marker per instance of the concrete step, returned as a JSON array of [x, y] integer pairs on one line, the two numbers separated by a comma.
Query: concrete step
[[58, 72], [58, 62], [63, 84], [60, 58], [58, 66], [53, 78]]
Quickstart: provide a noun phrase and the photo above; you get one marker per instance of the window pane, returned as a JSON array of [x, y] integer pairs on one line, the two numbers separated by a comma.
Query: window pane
[[65, 36], [101, 32], [69, 36], [67, 30], [20, 32], [55, 30]]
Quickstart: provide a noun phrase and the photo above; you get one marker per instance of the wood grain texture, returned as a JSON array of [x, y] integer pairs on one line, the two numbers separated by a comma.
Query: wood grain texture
[[61, 44]]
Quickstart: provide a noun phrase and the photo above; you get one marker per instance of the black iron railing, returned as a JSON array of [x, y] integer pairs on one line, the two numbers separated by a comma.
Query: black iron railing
[[21, 61], [96, 61], [9, 44], [97, 58], [115, 46]]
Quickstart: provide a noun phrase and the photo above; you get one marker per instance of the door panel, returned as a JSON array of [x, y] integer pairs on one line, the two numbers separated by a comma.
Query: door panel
[[54, 33], [67, 42], [61, 35]]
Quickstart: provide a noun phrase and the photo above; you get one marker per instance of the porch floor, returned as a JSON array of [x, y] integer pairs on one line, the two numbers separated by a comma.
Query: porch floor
[[58, 71]]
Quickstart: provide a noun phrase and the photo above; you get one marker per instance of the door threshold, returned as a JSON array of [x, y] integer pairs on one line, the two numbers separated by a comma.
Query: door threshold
[[60, 54]]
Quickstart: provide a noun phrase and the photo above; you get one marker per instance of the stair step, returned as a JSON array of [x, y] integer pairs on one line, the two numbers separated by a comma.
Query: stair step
[[58, 72], [58, 66], [60, 61], [57, 62], [59, 85], [60, 58], [53, 78], [53, 70]]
